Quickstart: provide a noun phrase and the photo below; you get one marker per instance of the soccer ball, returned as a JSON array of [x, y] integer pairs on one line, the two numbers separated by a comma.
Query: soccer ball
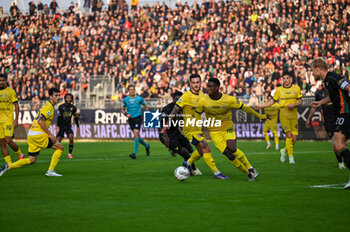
[[181, 173]]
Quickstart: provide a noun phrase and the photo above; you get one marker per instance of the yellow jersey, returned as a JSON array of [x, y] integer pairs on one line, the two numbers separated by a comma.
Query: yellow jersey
[[287, 96], [48, 112], [220, 109], [188, 102], [7, 97]]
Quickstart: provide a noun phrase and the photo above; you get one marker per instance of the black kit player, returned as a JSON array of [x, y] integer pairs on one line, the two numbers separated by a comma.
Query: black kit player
[[338, 90], [172, 138], [64, 121], [329, 115]]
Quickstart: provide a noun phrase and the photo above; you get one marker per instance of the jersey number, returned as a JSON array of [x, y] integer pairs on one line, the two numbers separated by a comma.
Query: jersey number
[[340, 121]]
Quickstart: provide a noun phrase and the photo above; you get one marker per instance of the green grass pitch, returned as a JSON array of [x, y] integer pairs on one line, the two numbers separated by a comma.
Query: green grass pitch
[[104, 190]]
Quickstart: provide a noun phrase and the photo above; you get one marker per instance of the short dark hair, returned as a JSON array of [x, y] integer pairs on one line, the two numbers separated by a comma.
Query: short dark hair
[[53, 90], [3, 75], [195, 75], [131, 86], [215, 81], [288, 74], [68, 94]]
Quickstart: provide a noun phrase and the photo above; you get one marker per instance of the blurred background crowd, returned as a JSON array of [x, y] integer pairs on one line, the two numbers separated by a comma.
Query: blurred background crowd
[[246, 44]]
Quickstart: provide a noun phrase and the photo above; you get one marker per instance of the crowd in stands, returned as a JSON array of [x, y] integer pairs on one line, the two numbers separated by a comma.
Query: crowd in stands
[[248, 45]]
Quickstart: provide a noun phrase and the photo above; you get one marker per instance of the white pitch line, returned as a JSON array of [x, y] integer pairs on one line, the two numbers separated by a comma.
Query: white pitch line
[[331, 186], [125, 157]]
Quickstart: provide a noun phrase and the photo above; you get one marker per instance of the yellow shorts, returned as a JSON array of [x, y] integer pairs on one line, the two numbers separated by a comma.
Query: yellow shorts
[[268, 126], [37, 142], [193, 136], [289, 125], [6, 130], [220, 138]]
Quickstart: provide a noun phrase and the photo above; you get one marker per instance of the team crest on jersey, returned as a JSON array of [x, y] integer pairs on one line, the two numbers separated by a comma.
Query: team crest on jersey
[[5, 95], [71, 108], [293, 92], [48, 113], [180, 100], [223, 106]]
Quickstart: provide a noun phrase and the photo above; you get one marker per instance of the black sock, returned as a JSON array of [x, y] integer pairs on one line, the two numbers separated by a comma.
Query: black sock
[[339, 158], [345, 153], [71, 148]]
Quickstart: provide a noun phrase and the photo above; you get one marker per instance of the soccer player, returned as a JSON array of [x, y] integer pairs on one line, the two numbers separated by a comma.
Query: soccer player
[[289, 98], [8, 100], [188, 102], [271, 124], [64, 121], [40, 137], [329, 117], [218, 106], [132, 110], [172, 138], [338, 90]]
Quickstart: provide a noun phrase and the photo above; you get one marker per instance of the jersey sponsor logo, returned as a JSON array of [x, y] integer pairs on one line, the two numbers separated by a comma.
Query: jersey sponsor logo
[[48, 113], [180, 100]]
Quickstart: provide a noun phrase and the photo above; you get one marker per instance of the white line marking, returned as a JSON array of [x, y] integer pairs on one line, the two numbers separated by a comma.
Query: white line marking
[[126, 157], [331, 186]]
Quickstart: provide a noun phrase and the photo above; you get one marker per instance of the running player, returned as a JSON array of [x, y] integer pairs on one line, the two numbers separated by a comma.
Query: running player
[[271, 124], [40, 137], [64, 121], [329, 115], [338, 90], [173, 139], [187, 103], [289, 98], [218, 106], [132, 110], [8, 100]]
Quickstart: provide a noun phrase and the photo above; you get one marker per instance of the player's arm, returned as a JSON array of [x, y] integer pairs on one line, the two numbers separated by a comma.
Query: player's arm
[[312, 111], [41, 122], [144, 104], [124, 109], [265, 105], [15, 122], [317, 104], [249, 110], [292, 106]]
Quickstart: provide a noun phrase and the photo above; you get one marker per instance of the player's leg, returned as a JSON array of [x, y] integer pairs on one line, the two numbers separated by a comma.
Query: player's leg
[[185, 146], [289, 146], [146, 145], [55, 157], [266, 135], [277, 141], [5, 151], [339, 145], [71, 143], [196, 155], [34, 147], [15, 147], [136, 143], [330, 127]]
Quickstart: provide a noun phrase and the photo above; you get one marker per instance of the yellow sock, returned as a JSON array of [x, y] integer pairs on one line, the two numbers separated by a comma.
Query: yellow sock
[[8, 159], [210, 162], [289, 146], [267, 138], [238, 164], [240, 155], [277, 140], [19, 152], [20, 163], [55, 158], [194, 157]]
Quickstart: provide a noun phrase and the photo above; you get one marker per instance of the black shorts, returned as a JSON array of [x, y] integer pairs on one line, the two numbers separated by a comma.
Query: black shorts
[[135, 123], [64, 129], [178, 141], [342, 125], [330, 127]]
